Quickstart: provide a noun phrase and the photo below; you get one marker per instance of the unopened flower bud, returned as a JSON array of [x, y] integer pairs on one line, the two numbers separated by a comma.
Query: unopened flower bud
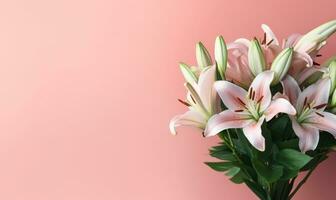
[[188, 74], [316, 38], [281, 64], [332, 75], [256, 58], [202, 56], [333, 102], [221, 56]]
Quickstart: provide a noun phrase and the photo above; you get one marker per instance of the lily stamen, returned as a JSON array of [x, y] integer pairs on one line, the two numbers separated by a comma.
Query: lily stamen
[[315, 63], [319, 114], [253, 95], [259, 100], [250, 93], [320, 106], [270, 42], [241, 102], [264, 39], [184, 102], [239, 110]]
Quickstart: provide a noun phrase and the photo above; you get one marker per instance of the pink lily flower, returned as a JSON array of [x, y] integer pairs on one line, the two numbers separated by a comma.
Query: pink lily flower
[[248, 109], [237, 70], [311, 117], [201, 102]]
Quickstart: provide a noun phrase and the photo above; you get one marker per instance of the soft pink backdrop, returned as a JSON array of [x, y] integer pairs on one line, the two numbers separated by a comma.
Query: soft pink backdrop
[[88, 87]]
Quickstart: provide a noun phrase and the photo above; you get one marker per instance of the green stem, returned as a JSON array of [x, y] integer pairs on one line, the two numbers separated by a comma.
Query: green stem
[[304, 180]]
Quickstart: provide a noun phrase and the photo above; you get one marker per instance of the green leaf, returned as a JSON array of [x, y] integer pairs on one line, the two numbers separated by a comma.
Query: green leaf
[[220, 166], [289, 144], [288, 174], [239, 177], [223, 155], [270, 173], [221, 147], [326, 141], [233, 171], [257, 189], [314, 162], [278, 125], [292, 159]]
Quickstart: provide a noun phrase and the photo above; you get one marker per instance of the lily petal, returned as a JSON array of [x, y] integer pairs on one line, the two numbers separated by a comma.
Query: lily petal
[[244, 42], [225, 120], [303, 56], [261, 86], [307, 73], [189, 118], [269, 34], [277, 106], [253, 133], [291, 89], [308, 135], [291, 40], [205, 85], [325, 123], [232, 95], [317, 93]]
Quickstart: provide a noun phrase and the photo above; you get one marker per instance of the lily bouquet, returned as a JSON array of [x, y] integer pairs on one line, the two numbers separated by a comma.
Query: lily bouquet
[[271, 104]]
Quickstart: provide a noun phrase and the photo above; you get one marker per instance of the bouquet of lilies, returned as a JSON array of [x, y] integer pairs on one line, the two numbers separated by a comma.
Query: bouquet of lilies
[[272, 105]]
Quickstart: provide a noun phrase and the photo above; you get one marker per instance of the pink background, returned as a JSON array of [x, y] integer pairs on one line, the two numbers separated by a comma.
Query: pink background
[[88, 87]]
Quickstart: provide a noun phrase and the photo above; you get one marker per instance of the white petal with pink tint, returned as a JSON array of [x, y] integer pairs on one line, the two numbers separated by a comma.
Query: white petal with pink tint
[[225, 120], [291, 89], [261, 86], [253, 133], [291, 40], [277, 106], [299, 56], [317, 93], [326, 122], [308, 136], [232, 95], [306, 73], [269, 34], [189, 118], [205, 86]]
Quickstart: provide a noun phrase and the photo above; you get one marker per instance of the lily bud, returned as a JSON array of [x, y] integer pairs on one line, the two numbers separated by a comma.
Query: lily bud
[[202, 56], [333, 102], [332, 75], [316, 38], [256, 58], [281, 64], [188, 74], [221, 56]]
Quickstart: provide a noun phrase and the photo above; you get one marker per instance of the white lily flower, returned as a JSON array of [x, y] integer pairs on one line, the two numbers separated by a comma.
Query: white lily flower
[[311, 117], [201, 101], [248, 109]]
